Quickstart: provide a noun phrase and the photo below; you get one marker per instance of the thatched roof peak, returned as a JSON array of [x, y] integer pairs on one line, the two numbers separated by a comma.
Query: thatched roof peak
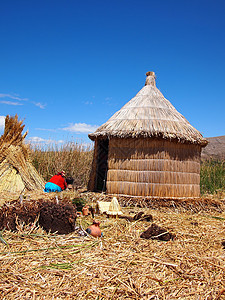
[[150, 80], [149, 114]]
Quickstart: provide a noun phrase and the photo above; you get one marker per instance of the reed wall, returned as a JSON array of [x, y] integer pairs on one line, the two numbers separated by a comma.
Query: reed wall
[[153, 167]]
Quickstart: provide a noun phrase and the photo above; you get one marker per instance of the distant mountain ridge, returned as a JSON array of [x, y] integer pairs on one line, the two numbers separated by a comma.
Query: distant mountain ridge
[[215, 148]]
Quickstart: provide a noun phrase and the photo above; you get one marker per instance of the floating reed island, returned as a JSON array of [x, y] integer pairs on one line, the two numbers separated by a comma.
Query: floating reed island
[[147, 148]]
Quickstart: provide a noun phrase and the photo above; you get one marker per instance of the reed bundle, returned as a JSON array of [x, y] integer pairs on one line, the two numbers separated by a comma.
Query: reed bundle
[[16, 170], [121, 265]]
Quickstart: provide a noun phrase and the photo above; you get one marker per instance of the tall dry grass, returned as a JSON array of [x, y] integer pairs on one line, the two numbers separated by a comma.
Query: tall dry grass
[[74, 158]]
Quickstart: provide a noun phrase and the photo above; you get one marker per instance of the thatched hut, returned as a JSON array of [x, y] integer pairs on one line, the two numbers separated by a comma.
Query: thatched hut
[[16, 170], [147, 148]]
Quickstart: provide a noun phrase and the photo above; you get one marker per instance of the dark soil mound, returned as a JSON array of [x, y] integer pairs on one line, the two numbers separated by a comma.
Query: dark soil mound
[[57, 217], [223, 244], [142, 217], [53, 217], [14, 212], [138, 217], [156, 232]]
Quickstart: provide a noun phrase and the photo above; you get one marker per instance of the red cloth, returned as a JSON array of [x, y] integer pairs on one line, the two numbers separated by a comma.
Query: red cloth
[[59, 180]]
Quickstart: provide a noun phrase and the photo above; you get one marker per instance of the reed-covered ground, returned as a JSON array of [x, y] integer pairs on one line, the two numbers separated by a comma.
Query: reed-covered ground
[[35, 264]]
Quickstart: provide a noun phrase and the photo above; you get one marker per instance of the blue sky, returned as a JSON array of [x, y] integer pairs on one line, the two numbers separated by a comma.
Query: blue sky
[[67, 66]]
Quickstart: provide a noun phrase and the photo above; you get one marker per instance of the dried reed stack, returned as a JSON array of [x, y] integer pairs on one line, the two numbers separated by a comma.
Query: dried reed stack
[[16, 171], [147, 148]]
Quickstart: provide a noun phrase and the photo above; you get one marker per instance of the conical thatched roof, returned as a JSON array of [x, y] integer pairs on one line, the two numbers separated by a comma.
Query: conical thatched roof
[[149, 114], [16, 170]]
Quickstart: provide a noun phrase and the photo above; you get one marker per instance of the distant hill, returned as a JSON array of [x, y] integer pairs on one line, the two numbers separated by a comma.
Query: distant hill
[[215, 148]]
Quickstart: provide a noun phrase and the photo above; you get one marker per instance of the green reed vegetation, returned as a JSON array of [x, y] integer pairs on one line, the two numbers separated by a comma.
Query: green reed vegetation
[[74, 158], [212, 176]]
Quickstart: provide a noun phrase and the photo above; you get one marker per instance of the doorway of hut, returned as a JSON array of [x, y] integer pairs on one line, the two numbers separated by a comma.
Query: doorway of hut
[[102, 165]]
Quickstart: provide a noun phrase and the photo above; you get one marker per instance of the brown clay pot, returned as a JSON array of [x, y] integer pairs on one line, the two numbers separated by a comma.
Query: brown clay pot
[[85, 210], [94, 229]]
